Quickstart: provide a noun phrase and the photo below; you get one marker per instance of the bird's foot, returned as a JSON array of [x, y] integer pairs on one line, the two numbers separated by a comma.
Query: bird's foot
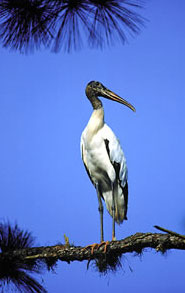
[[92, 247], [97, 246], [105, 247]]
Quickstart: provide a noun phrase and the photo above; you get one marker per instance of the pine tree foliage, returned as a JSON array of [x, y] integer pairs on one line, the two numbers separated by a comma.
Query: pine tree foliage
[[13, 271], [26, 25]]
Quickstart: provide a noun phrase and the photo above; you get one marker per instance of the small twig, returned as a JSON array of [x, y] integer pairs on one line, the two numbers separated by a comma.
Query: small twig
[[169, 232]]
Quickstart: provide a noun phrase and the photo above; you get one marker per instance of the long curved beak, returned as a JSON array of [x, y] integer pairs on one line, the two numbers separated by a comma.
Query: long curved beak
[[112, 96]]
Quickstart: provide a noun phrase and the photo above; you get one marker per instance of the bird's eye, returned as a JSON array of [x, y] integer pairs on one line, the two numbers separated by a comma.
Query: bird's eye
[[98, 84]]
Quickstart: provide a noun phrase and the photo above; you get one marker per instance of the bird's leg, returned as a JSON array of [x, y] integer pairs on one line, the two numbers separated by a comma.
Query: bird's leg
[[100, 208], [113, 213]]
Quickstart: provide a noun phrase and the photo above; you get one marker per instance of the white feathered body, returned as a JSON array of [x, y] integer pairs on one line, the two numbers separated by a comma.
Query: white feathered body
[[105, 163]]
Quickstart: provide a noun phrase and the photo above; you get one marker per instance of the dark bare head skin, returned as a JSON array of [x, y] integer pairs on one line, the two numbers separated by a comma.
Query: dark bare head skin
[[95, 89]]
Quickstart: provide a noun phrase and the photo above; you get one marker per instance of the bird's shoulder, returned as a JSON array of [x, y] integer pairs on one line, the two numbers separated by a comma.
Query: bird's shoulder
[[107, 133], [111, 139], [113, 146]]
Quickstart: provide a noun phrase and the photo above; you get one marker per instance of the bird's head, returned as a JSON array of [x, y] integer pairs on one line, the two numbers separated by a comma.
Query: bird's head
[[97, 89]]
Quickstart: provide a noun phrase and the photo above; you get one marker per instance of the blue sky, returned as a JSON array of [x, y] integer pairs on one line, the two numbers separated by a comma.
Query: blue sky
[[43, 184]]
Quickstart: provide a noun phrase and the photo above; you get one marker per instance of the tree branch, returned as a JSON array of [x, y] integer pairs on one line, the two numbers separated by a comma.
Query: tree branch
[[134, 243]]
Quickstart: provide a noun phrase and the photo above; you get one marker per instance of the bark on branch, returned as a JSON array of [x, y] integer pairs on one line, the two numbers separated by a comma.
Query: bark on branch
[[134, 243]]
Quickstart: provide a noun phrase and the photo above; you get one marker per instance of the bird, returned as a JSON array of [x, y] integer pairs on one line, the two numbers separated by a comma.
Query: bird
[[104, 159]]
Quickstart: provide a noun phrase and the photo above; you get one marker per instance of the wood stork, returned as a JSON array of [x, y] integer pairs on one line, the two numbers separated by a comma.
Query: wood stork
[[104, 159]]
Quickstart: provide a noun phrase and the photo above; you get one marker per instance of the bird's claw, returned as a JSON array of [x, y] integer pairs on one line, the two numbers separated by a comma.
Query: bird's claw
[[105, 247], [97, 246]]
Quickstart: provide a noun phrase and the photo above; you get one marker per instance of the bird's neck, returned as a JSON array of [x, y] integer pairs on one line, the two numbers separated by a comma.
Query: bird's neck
[[95, 102], [96, 121]]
